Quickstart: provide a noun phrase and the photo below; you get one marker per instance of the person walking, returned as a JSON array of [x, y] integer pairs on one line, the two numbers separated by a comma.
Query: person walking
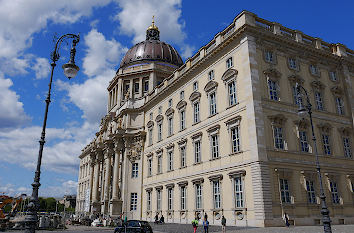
[[157, 218], [223, 224], [206, 225], [286, 219], [195, 223]]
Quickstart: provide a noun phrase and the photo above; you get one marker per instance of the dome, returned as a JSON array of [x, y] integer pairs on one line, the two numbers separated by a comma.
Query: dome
[[152, 49]]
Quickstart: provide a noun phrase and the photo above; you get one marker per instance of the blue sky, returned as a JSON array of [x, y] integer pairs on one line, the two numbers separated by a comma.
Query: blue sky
[[107, 29]]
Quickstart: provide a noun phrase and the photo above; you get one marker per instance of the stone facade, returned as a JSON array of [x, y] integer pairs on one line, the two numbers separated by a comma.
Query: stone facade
[[220, 135]]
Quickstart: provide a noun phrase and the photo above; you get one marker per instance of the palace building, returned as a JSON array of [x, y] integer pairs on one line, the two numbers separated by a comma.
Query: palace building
[[219, 134]]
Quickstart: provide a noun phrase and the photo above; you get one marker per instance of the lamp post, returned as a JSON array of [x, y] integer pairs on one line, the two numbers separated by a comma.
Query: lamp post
[[302, 112], [70, 71]]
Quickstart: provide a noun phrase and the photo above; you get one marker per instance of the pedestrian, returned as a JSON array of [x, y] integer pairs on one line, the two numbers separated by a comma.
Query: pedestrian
[[195, 223], [223, 224], [157, 218], [206, 225], [286, 219], [205, 216], [162, 219]]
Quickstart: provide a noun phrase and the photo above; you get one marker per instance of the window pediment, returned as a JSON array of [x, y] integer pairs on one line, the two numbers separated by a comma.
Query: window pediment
[[170, 146], [277, 119], [195, 96], [317, 85], [215, 177], [160, 187], [211, 85], [182, 142], [272, 73], [183, 183], [337, 90], [198, 181], [159, 118], [181, 105], [169, 186], [302, 124], [169, 111], [229, 74], [237, 173], [296, 79], [197, 135], [345, 131], [150, 124], [214, 128], [324, 127]]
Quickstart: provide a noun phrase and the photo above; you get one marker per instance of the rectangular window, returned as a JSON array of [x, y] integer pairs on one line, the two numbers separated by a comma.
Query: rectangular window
[[197, 155], [214, 140], [158, 199], [303, 141], [126, 88], [269, 56], [150, 166], [182, 116], [333, 76], [232, 93], [216, 194], [211, 75], [170, 103], [229, 63], [326, 144], [146, 85], [273, 90], [196, 112], [135, 170], [136, 87], [159, 131], [148, 200], [170, 126], [278, 137], [133, 201], [284, 191], [183, 197], [313, 69], [297, 98], [340, 105], [235, 139], [212, 104], [170, 199], [159, 163], [238, 192], [183, 156], [181, 95], [198, 196], [150, 136], [292, 63], [195, 86], [347, 147], [318, 100], [334, 192], [311, 197], [170, 160]]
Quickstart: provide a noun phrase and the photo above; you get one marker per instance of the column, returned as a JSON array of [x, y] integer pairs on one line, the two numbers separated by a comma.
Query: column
[[116, 202], [95, 197], [108, 155]]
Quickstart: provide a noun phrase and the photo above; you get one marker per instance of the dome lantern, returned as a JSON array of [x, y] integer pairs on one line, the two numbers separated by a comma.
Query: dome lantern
[[152, 33]]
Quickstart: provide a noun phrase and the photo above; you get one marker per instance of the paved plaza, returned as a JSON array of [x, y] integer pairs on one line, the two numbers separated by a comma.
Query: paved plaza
[[183, 228]]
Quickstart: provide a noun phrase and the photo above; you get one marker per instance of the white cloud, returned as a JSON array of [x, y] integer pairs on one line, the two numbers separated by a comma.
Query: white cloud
[[20, 19], [168, 17], [101, 54], [41, 68], [101, 57], [61, 151], [68, 187], [13, 191], [12, 113]]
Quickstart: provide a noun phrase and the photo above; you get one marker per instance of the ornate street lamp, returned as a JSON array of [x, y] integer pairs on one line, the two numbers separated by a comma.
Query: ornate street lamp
[[70, 71], [303, 110]]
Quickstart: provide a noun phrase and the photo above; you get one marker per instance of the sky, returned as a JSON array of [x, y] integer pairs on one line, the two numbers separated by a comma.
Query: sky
[[108, 28]]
